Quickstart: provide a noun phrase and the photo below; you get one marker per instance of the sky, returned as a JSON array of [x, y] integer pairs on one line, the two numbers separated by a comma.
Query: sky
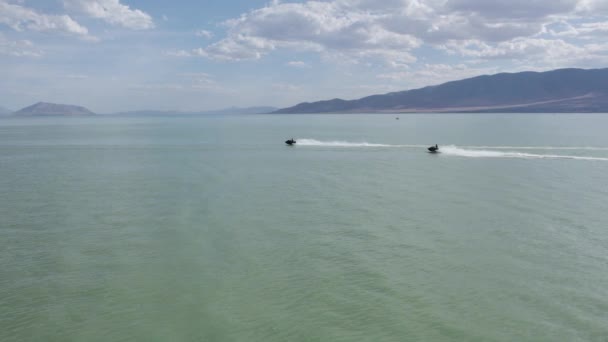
[[122, 55]]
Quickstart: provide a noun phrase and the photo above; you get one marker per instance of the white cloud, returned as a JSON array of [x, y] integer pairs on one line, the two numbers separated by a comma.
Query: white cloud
[[588, 30], [112, 12], [534, 53], [435, 74], [325, 27], [237, 48], [390, 31], [582, 31], [204, 34], [298, 64], [19, 48], [597, 7], [21, 18], [433, 27], [515, 49]]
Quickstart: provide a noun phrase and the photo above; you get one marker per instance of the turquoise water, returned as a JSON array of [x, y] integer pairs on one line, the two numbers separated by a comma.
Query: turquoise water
[[211, 229]]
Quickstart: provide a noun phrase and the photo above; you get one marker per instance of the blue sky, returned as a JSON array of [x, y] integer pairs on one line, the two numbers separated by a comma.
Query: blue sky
[[118, 55]]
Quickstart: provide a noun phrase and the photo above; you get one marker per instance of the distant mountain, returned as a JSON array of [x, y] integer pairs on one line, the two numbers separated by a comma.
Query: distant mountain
[[53, 109], [232, 110], [563, 90]]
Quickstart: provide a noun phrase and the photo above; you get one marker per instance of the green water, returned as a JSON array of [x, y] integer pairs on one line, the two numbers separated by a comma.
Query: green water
[[211, 229]]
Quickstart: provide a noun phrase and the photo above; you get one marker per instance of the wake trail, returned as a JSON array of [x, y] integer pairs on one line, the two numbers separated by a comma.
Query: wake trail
[[341, 143], [338, 143], [565, 148], [468, 151], [463, 152]]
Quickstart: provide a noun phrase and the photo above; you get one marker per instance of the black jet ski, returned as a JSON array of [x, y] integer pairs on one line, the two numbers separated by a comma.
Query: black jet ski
[[434, 149], [290, 142]]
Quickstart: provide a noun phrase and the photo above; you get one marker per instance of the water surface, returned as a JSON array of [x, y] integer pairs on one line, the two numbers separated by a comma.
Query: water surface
[[211, 229]]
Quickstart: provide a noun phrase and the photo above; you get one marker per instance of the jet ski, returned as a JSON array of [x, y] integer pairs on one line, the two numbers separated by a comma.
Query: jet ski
[[290, 142], [434, 149]]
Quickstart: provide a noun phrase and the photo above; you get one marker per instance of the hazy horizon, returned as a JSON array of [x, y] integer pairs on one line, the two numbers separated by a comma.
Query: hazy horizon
[[116, 55]]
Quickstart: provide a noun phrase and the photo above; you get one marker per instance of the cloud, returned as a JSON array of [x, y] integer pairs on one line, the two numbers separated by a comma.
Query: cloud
[[324, 27], [534, 53], [112, 12], [596, 7], [19, 48], [587, 30], [297, 64], [204, 34], [21, 18], [236, 48], [579, 31], [515, 49], [432, 26], [435, 74], [391, 31]]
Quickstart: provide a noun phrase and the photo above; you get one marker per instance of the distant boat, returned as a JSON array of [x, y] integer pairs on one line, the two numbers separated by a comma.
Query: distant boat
[[290, 142], [434, 149]]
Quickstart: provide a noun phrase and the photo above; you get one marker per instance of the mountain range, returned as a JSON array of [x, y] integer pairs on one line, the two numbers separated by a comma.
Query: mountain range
[[562, 90], [556, 91], [53, 109]]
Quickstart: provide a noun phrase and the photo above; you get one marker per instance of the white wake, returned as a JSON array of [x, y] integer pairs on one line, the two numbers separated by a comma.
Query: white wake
[[565, 148], [470, 151], [313, 142]]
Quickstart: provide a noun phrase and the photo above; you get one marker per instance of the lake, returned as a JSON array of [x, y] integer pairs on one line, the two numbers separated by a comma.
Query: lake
[[212, 229]]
